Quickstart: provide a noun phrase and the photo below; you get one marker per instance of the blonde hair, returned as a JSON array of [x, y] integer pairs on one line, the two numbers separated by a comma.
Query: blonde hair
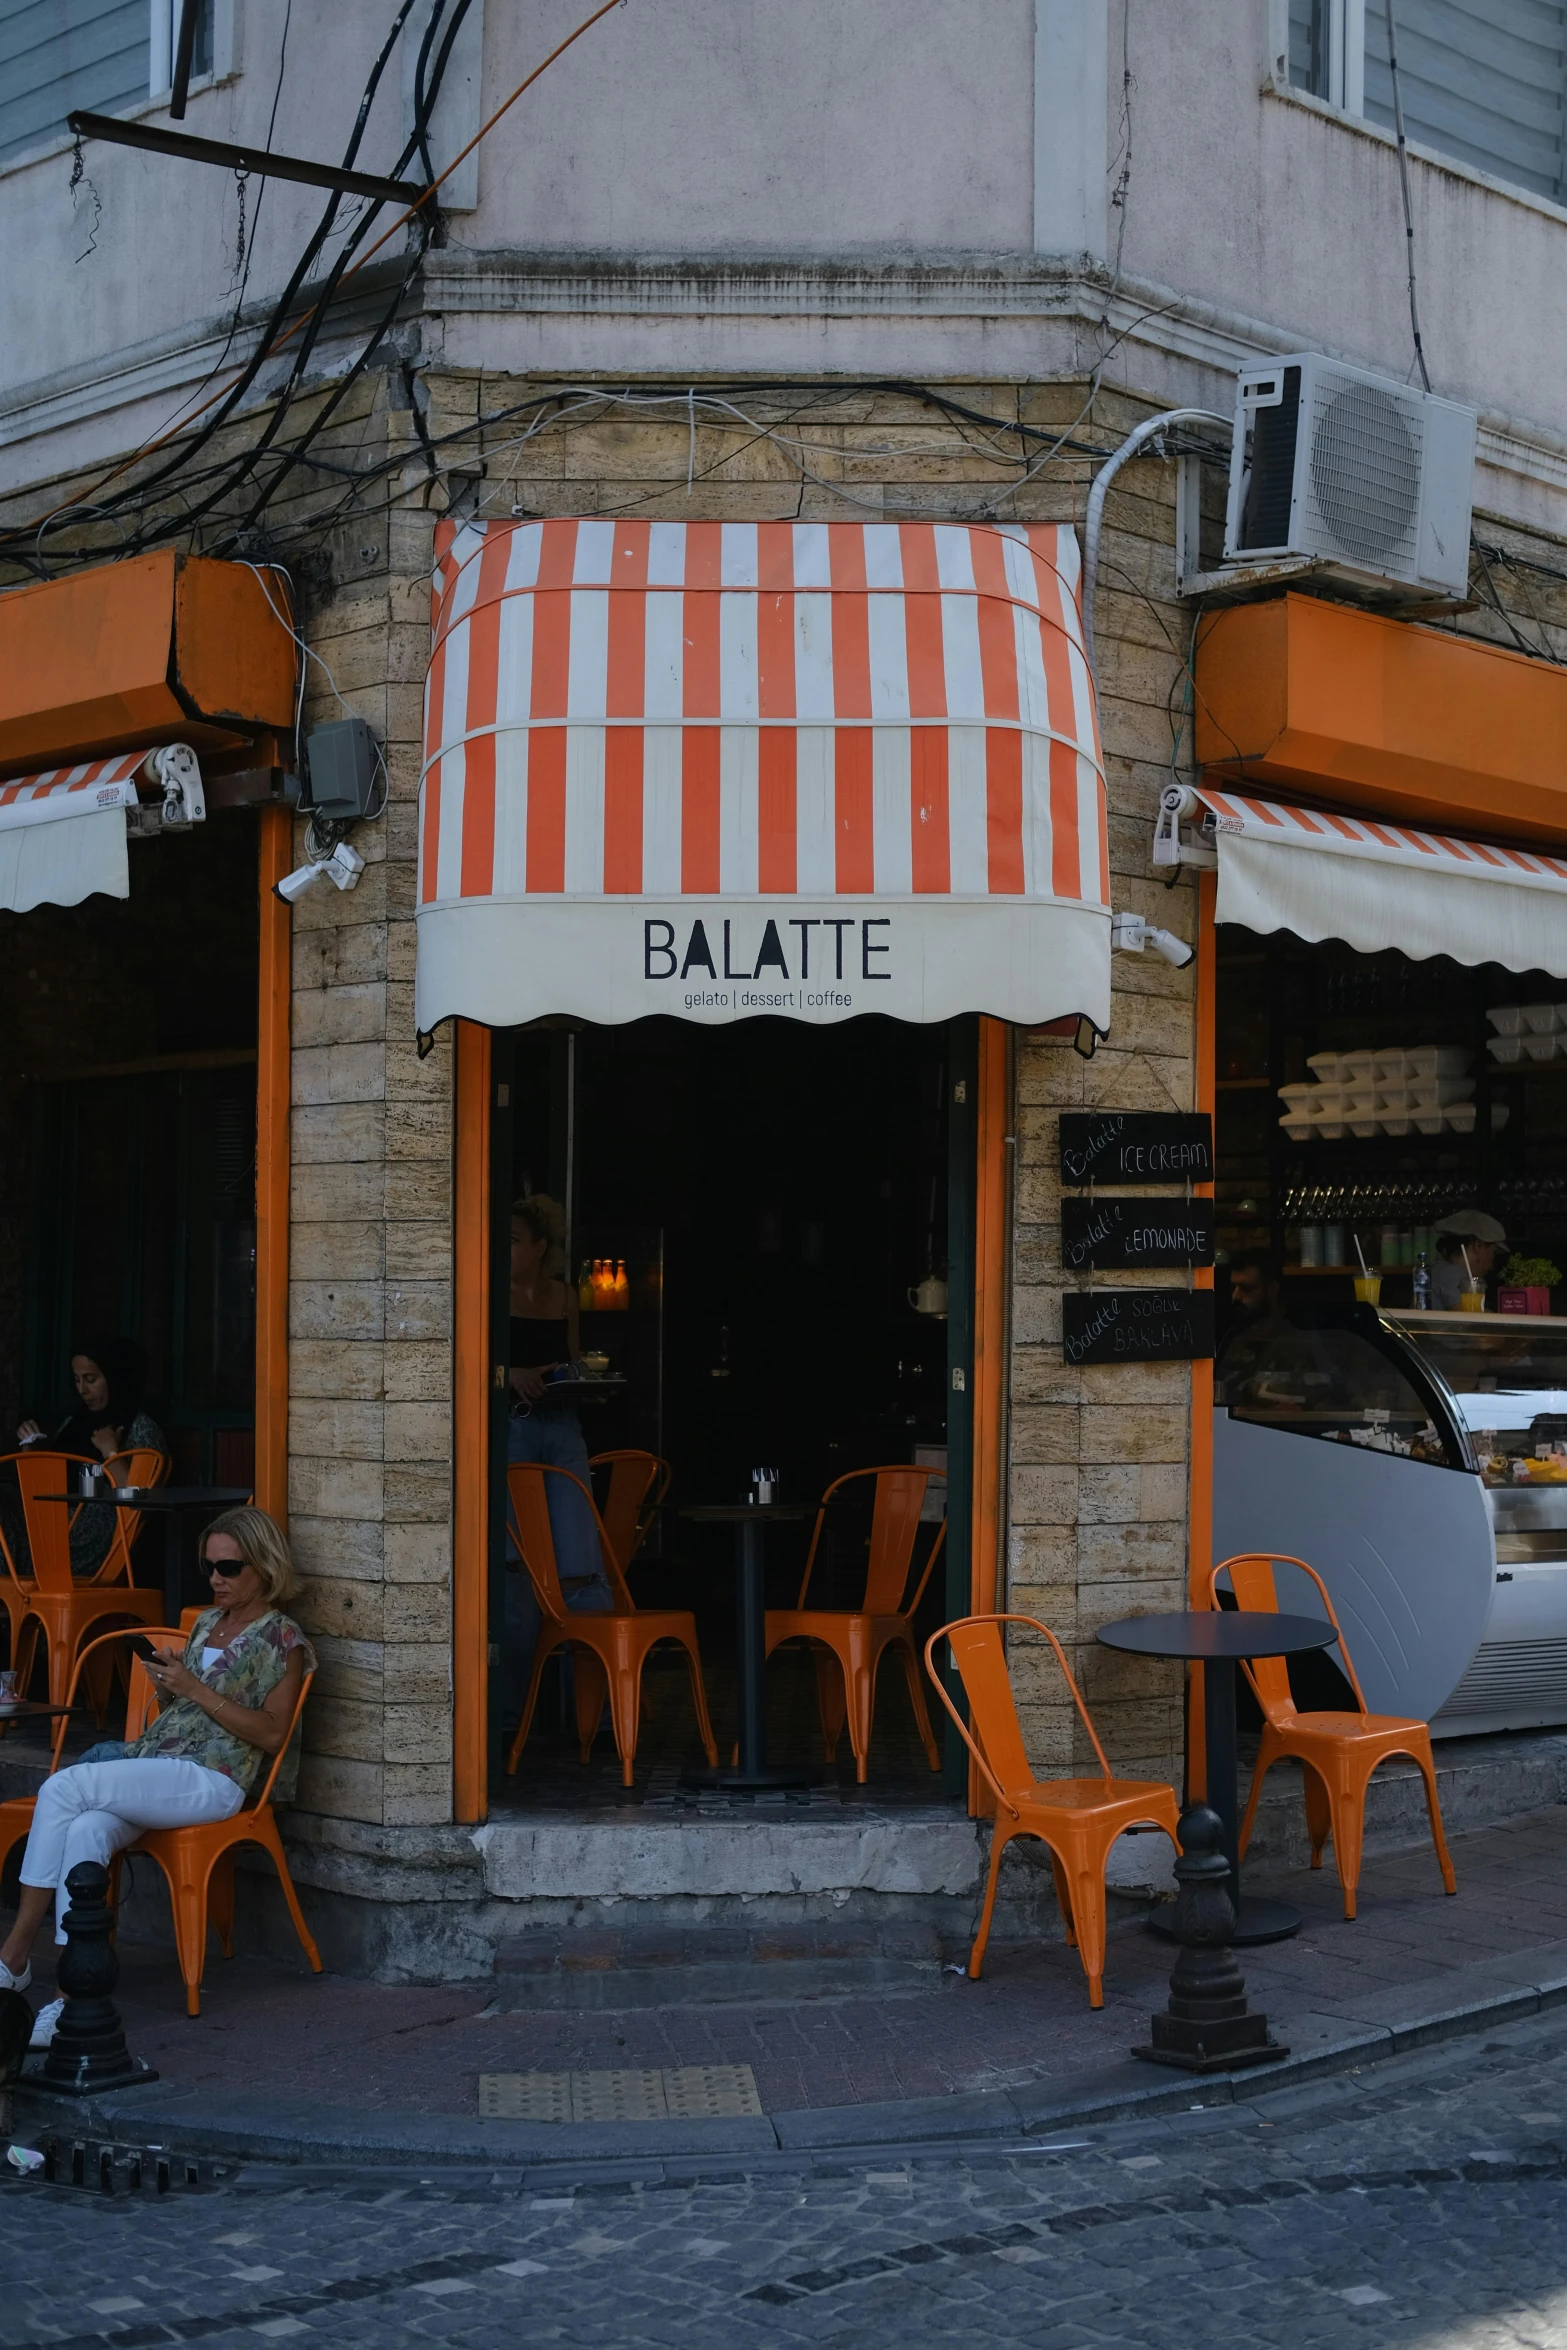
[[262, 1544], [546, 1220]]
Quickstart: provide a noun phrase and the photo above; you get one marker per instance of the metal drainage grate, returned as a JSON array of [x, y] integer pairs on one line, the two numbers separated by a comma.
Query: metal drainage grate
[[108, 2168], [688, 2092]]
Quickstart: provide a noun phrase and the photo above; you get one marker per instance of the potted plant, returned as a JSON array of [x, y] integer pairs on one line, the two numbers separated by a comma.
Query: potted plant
[[1526, 1284]]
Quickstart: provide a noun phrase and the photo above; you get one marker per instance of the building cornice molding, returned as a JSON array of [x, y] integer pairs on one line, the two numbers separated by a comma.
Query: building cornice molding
[[1087, 311], [983, 290]]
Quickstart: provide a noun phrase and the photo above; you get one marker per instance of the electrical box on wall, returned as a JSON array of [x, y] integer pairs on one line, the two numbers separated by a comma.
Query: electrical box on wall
[[1360, 473], [341, 761]]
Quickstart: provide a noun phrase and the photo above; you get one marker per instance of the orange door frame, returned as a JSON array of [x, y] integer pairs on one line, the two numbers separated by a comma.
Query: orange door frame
[[988, 1375], [272, 1165], [1199, 1505], [992, 1191], [471, 1425]]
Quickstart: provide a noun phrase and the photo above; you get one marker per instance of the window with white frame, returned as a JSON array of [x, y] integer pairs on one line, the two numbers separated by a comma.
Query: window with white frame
[[1483, 81], [103, 56]]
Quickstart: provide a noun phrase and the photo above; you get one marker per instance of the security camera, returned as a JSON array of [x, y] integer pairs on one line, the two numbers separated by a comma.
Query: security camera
[[1131, 933], [344, 867]]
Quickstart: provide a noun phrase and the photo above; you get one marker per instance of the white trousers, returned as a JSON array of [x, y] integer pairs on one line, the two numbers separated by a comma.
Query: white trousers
[[93, 1810]]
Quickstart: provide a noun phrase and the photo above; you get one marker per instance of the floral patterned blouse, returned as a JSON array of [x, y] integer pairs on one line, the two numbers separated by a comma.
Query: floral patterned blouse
[[248, 1670]]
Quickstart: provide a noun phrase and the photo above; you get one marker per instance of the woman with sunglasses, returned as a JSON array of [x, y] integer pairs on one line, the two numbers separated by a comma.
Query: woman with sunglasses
[[224, 1707]]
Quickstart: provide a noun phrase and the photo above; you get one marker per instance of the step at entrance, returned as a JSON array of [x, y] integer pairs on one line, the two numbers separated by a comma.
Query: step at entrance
[[654, 1967]]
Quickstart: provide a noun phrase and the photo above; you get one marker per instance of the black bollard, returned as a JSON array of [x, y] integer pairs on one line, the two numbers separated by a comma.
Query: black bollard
[[88, 2051], [1207, 2026]]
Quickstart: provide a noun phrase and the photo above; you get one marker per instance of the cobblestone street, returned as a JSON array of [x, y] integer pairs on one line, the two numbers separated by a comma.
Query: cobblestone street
[[1416, 2203]]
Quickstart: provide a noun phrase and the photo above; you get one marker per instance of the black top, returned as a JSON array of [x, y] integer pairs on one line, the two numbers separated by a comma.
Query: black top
[[535, 1343], [1218, 1632], [739, 1513], [163, 1497]]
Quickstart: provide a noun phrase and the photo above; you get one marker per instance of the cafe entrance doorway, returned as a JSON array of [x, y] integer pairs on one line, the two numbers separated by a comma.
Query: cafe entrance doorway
[[768, 1230]]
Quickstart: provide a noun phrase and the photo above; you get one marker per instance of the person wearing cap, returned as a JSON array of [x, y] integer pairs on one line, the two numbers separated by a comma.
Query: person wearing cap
[[1472, 1233]]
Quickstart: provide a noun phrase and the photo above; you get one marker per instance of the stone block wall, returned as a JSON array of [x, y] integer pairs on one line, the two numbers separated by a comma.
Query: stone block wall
[[370, 1270]]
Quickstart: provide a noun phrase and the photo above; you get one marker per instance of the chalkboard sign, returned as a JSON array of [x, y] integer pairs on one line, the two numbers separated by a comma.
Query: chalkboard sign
[[1137, 1325], [1117, 1230], [1136, 1146]]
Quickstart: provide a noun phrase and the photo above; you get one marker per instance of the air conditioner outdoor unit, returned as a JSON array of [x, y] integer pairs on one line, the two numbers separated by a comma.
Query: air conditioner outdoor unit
[[1361, 472]]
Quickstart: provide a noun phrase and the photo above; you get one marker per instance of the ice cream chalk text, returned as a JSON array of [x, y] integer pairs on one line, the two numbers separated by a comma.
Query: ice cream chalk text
[[1131, 1146]]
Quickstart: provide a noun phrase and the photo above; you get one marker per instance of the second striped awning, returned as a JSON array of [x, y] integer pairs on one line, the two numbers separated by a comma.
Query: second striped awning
[[721, 769], [1369, 882], [62, 833]]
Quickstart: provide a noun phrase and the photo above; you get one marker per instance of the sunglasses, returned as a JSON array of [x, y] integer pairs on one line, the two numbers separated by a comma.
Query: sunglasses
[[225, 1570]]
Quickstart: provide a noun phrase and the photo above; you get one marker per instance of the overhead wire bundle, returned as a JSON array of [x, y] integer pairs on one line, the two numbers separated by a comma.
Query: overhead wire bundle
[[143, 512]]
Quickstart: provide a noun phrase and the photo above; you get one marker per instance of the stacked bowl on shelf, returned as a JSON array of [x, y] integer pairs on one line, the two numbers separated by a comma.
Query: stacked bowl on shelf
[[1402, 1089], [1527, 1032]]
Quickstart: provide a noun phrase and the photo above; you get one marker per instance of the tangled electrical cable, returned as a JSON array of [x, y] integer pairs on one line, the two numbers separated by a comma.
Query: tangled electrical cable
[[1019, 449], [422, 217], [172, 477]]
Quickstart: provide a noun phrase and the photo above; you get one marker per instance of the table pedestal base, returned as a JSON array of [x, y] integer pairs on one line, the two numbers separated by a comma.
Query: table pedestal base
[[767, 1781], [1259, 1921]]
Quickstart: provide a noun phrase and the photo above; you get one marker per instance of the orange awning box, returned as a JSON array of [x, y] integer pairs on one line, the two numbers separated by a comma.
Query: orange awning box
[[156, 648], [1411, 723]]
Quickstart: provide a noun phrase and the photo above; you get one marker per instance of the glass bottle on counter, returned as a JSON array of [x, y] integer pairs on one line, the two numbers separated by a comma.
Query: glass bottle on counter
[[1422, 1285], [620, 1297]]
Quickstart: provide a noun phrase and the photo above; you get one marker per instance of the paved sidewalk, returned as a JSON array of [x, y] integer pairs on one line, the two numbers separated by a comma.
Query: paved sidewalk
[[1023, 2040]]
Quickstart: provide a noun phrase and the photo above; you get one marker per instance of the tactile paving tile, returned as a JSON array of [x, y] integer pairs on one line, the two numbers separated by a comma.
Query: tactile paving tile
[[692, 2092], [617, 2097], [525, 2097], [712, 2092]]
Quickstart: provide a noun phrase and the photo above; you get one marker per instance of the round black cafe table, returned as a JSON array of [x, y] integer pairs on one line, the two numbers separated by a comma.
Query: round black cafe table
[[754, 1775], [1217, 1639], [177, 1501]]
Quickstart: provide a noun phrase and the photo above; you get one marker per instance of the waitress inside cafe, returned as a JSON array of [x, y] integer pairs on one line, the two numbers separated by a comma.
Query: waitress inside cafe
[[544, 1427]]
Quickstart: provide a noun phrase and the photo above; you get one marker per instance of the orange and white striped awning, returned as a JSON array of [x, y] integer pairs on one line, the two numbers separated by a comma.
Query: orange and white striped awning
[[722, 769], [71, 791], [61, 836], [1371, 883]]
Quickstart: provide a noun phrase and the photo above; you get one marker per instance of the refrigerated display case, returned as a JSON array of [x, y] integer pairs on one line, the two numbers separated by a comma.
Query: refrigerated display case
[[1439, 1521]]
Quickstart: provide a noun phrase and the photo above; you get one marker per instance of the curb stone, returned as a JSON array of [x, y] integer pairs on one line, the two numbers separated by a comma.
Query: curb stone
[[275, 2131]]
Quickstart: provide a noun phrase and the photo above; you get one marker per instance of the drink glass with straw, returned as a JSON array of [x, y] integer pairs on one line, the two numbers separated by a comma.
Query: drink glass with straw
[[1472, 1300], [1368, 1285]]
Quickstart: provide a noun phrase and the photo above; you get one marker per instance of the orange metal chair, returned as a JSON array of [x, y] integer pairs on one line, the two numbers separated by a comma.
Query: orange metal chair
[[1078, 1819], [141, 1705], [1339, 1751], [638, 1484], [615, 1645], [142, 1465], [53, 1601], [855, 1640], [14, 1584], [198, 1864]]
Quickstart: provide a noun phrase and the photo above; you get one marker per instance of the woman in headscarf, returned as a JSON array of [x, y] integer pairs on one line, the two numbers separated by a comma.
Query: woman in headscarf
[[108, 1417]]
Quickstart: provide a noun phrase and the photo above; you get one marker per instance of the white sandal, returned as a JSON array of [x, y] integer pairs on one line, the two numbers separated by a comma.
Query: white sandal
[[45, 2023], [21, 1982]]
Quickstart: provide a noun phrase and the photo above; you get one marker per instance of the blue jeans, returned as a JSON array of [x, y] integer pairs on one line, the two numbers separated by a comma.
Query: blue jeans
[[552, 1436]]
